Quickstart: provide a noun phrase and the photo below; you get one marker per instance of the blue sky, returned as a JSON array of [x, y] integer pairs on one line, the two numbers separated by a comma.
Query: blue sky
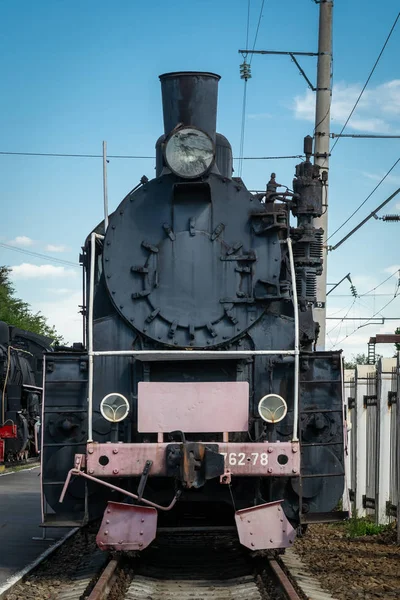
[[76, 73]]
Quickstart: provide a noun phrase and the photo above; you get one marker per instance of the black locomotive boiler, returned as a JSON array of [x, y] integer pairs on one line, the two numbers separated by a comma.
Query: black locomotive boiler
[[198, 401], [21, 380]]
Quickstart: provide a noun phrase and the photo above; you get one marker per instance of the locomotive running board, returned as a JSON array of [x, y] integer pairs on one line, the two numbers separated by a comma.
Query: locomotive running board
[[127, 527], [264, 527]]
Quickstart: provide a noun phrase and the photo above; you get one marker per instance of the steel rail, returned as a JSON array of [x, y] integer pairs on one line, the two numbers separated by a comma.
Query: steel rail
[[284, 581]]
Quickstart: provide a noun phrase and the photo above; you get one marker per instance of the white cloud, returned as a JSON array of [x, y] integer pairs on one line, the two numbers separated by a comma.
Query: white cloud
[[30, 271], [63, 313], [391, 269], [22, 240], [60, 291], [55, 248], [392, 179], [377, 112]]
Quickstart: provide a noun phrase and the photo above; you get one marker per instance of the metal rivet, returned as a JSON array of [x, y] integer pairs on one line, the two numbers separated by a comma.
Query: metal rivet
[[270, 450], [115, 471], [142, 520], [108, 510], [91, 471], [90, 450], [107, 522], [270, 470], [294, 449], [140, 544], [252, 544], [271, 540], [106, 532], [115, 451], [141, 533], [294, 470]]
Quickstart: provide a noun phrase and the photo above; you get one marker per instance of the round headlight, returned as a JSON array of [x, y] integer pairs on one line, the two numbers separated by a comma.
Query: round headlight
[[189, 152], [272, 408], [114, 407]]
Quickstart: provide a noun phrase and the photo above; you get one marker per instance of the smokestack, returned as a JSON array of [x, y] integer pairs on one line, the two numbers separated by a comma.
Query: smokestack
[[190, 98]]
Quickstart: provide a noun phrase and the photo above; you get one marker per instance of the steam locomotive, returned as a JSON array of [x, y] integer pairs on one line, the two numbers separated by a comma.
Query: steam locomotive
[[21, 375], [199, 401]]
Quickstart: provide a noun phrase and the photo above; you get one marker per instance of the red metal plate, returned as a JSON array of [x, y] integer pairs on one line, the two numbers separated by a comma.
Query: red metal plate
[[264, 527], [241, 459], [127, 527], [193, 407]]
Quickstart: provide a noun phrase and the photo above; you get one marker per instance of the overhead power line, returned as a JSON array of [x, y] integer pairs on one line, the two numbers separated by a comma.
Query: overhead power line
[[38, 255], [366, 199], [366, 321], [368, 80], [64, 155]]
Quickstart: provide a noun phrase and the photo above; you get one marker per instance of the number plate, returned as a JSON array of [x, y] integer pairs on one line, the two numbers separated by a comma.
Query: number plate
[[241, 459]]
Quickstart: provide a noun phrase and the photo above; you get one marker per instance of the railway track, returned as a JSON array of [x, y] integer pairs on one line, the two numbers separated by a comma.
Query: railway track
[[183, 567]]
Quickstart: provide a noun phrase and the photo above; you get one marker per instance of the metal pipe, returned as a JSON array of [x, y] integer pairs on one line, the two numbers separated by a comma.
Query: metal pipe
[[105, 191], [296, 344], [115, 488], [90, 335], [207, 353]]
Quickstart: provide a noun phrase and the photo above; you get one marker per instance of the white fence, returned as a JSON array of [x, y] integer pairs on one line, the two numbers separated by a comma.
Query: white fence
[[372, 462]]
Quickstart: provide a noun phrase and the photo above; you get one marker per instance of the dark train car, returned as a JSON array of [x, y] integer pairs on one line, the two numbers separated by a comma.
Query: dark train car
[[21, 381], [199, 401]]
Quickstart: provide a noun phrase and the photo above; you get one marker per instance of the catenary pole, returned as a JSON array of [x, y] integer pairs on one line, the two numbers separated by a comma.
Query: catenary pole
[[321, 146]]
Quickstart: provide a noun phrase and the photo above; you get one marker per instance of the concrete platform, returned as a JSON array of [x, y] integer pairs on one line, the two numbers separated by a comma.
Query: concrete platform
[[19, 522]]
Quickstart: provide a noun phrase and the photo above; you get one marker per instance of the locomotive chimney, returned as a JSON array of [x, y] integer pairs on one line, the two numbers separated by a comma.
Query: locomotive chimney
[[190, 98]]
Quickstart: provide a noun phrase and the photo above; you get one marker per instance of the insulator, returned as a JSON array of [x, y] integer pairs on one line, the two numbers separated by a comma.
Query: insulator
[[245, 71], [391, 218], [353, 291]]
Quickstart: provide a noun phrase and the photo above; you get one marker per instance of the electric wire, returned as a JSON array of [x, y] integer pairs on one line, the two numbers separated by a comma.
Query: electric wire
[[62, 155], [397, 272], [38, 255], [368, 80], [343, 318], [368, 320], [258, 28], [366, 199]]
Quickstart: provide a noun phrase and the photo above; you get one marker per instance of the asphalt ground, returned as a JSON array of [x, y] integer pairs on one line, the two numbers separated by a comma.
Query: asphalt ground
[[20, 518]]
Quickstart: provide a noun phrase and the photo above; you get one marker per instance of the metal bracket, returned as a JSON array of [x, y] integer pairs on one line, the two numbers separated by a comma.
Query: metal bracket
[[371, 400], [143, 479]]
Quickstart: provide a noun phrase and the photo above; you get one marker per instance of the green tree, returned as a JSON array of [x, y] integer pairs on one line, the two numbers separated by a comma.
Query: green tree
[[358, 359], [15, 311], [397, 346]]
